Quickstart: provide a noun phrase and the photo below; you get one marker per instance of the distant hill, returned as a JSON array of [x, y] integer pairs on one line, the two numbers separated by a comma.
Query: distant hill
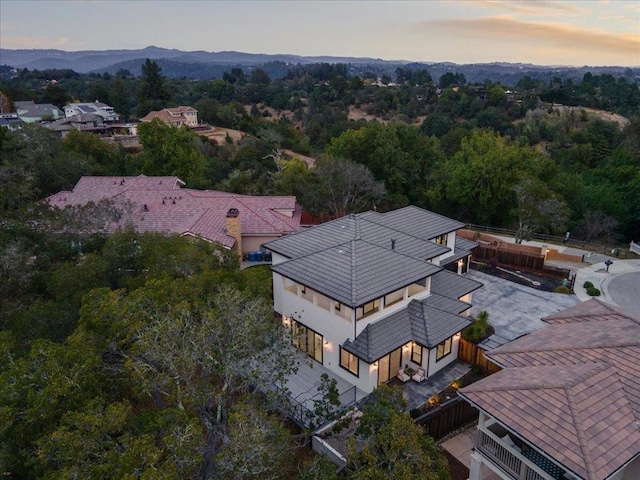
[[205, 65]]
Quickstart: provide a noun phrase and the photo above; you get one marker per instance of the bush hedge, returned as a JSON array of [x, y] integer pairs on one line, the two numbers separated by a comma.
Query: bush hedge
[[562, 289], [587, 284], [593, 292]]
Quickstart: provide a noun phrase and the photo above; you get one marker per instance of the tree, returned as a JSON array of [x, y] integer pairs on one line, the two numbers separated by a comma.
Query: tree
[[342, 187], [192, 355], [389, 445], [537, 208], [119, 97], [153, 94], [170, 150]]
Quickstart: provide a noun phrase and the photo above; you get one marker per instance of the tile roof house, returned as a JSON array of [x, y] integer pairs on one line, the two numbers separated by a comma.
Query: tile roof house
[[86, 122], [367, 294], [94, 108], [567, 403], [175, 116], [161, 204], [31, 112]]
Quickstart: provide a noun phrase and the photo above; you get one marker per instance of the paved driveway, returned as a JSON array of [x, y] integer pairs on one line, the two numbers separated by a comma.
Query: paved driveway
[[515, 309]]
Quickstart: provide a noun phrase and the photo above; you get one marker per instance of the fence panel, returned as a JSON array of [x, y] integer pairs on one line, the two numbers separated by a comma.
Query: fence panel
[[473, 355], [447, 417]]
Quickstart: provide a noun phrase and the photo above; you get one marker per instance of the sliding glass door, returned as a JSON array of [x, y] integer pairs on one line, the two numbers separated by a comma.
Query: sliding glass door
[[306, 340], [389, 365]]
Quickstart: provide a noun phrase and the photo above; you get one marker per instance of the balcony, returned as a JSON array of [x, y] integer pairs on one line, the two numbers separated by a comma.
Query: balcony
[[518, 463]]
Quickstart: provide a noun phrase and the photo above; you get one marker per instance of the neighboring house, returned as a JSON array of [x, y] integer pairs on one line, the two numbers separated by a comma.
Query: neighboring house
[[31, 112], [160, 204], [566, 404], [10, 121], [175, 116], [367, 294], [93, 108], [87, 122]]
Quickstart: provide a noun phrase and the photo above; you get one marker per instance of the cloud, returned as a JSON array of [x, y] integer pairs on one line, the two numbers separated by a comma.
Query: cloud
[[19, 42], [554, 35], [539, 8]]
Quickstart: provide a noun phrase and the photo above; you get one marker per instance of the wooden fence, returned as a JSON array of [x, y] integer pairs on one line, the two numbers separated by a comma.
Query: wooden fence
[[508, 257], [473, 355], [446, 418]]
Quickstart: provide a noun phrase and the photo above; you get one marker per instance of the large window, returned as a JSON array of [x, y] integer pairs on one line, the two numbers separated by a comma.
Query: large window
[[416, 353], [444, 349], [371, 307], [349, 361], [306, 340], [442, 239]]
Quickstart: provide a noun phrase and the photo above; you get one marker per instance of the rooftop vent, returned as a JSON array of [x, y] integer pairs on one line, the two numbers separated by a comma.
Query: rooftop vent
[[233, 213], [393, 244]]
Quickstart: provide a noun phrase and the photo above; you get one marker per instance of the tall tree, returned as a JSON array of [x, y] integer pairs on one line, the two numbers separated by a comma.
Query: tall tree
[[153, 93], [341, 187], [389, 445]]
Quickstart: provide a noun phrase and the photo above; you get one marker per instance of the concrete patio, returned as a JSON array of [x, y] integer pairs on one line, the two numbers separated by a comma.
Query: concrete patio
[[461, 446], [304, 384], [417, 393]]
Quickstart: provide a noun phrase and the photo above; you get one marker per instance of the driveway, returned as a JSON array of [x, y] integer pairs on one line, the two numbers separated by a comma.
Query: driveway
[[515, 309]]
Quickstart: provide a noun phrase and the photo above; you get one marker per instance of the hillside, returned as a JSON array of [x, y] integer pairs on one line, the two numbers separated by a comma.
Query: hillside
[[206, 65]]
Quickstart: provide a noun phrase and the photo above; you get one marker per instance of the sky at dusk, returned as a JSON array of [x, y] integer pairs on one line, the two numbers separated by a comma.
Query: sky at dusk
[[543, 32]]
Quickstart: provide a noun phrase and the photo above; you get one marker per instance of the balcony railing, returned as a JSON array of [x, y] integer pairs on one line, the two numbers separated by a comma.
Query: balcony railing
[[509, 459]]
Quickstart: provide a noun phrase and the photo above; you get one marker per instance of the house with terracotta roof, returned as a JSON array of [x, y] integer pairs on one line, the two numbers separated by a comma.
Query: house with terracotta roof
[[566, 404], [162, 204], [175, 116], [373, 295]]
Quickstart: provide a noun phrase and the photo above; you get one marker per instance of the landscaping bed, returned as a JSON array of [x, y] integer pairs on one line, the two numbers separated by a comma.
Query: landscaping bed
[[533, 280]]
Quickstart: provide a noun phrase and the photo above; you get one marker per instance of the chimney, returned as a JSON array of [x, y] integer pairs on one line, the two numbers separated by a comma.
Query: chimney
[[233, 229], [393, 244]]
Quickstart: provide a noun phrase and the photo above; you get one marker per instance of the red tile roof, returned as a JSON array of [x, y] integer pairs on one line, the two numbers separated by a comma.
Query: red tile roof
[[572, 389], [158, 204]]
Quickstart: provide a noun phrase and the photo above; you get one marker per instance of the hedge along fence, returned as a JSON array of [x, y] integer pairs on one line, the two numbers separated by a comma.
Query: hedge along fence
[[473, 355]]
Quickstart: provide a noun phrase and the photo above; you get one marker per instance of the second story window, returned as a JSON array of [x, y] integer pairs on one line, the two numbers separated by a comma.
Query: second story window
[[337, 306], [442, 239], [371, 307]]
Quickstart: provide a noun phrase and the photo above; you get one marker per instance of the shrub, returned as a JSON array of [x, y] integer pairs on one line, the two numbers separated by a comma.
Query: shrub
[[593, 292], [476, 332], [587, 285], [562, 289]]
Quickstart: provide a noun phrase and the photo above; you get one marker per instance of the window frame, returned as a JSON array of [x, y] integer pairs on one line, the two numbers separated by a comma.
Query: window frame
[[306, 341], [443, 344], [350, 358], [415, 348], [442, 239]]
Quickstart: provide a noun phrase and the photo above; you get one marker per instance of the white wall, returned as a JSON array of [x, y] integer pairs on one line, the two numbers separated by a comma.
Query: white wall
[[437, 366]]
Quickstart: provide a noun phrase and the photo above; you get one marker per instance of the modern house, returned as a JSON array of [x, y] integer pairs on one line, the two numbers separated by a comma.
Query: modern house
[[94, 108], [10, 121], [161, 204], [366, 295], [566, 404], [86, 122], [175, 116], [31, 112]]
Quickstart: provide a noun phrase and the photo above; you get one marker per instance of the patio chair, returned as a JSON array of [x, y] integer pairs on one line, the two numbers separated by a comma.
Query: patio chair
[[403, 376], [419, 375]]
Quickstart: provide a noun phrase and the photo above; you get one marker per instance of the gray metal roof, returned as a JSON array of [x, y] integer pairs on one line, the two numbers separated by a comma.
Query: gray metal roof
[[355, 272], [419, 322], [452, 285], [415, 221], [354, 227]]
